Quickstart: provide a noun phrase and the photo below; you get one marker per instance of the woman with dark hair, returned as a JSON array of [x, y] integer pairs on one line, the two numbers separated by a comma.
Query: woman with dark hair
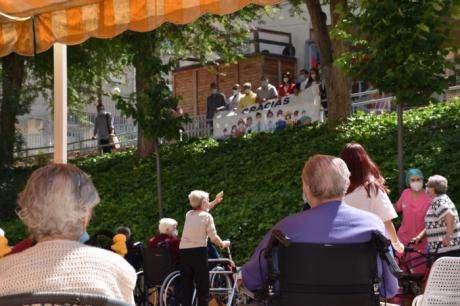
[[367, 189], [287, 86]]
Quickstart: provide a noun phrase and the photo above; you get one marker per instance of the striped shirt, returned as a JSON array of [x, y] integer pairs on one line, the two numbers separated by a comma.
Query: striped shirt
[[436, 225]]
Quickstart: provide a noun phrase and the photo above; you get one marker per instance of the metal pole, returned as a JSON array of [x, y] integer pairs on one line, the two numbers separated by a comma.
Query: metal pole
[[400, 148], [158, 166], [60, 103]]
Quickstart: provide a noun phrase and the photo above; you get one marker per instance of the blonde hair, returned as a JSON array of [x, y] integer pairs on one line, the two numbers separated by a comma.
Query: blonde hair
[[326, 176], [197, 197], [56, 200]]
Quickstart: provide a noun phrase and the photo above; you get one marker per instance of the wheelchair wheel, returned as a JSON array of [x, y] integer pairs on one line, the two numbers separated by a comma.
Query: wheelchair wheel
[[169, 291], [221, 286]]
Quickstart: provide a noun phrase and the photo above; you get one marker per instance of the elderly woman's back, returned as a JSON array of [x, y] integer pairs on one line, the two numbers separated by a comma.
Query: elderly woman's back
[[66, 265], [56, 207]]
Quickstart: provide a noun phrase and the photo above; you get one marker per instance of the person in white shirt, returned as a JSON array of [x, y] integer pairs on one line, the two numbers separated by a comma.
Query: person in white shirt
[[193, 255], [367, 189], [56, 206], [234, 99]]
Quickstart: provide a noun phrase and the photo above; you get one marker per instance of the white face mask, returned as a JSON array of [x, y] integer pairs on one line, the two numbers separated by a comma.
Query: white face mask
[[264, 83], [213, 91], [247, 91], [416, 186], [234, 92], [286, 80], [175, 233]]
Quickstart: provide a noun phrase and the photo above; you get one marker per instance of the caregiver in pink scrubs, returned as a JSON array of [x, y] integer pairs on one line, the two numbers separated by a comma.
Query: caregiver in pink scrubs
[[413, 204]]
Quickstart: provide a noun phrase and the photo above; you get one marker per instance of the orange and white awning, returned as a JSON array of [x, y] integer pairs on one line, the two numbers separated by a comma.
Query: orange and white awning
[[28, 26]]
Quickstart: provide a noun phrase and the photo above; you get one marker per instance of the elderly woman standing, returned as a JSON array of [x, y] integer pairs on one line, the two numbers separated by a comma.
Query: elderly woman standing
[[413, 203], [56, 206], [193, 254], [442, 224]]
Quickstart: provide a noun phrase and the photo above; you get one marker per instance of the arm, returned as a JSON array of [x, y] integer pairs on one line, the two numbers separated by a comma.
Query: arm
[[391, 232], [450, 221], [111, 126], [419, 237], [217, 200], [212, 234], [255, 271]]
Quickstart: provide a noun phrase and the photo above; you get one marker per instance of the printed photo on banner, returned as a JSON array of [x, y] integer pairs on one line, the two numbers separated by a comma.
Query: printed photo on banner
[[270, 116]]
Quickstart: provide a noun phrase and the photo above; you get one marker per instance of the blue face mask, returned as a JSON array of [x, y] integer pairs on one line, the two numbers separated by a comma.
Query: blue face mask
[[214, 91]]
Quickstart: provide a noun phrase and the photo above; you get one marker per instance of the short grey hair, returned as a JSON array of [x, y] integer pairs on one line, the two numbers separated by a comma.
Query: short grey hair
[[326, 176], [438, 183], [197, 198], [167, 224], [56, 200]]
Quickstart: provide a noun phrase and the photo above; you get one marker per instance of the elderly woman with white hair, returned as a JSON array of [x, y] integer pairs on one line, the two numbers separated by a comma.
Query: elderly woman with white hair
[[442, 224], [56, 206], [168, 236], [193, 255]]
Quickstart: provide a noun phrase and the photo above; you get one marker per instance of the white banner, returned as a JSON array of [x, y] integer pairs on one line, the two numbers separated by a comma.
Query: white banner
[[270, 116]]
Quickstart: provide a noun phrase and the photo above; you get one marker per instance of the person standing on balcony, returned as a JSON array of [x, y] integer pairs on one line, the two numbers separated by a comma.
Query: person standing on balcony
[[104, 129], [266, 91], [216, 101], [249, 96], [304, 79], [234, 99], [287, 87]]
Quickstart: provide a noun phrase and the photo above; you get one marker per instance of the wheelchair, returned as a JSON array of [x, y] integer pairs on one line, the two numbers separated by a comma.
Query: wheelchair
[[159, 281], [330, 274]]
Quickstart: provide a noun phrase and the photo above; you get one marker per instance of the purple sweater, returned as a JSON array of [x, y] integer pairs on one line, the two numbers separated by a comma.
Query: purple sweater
[[333, 223]]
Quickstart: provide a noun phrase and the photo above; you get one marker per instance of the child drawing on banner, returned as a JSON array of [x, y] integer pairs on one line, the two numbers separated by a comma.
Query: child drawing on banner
[[270, 124], [280, 122], [248, 125], [234, 129], [289, 119], [304, 120], [259, 126], [241, 128], [226, 134], [296, 117]]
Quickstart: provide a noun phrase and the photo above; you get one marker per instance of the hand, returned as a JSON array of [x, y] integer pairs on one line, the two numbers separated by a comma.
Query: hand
[[225, 244], [416, 240], [446, 241], [219, 198], [398, 246]]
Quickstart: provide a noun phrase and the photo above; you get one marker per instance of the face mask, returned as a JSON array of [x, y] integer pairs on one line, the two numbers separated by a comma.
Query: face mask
[[247, 91], [175, 233], [234, 92], [213, 91], [101, 111], [416, 186], [264, 83], [286, 80]]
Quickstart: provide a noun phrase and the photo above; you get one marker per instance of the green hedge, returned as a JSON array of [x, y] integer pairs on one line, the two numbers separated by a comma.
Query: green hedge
[[260, 174]]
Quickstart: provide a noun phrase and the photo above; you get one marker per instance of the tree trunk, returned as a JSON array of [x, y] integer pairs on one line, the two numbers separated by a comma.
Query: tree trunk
[[145, 146], [400, 147], [158, 167], [13, 74], [336, 81]]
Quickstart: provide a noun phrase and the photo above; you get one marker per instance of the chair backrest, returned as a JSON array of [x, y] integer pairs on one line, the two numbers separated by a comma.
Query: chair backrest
[[59, 298], [157, 265], [443, 286], [328, 275]]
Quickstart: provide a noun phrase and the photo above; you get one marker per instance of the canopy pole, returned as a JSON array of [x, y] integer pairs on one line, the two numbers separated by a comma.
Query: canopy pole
[[60, 103]]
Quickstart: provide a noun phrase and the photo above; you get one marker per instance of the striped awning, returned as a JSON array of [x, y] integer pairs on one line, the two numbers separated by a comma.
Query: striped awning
[[32, 26]]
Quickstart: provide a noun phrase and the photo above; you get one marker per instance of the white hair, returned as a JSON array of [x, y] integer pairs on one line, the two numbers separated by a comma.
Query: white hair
[[197, 198], [2, 233], [327, 176], [167, 225], [56, 201], [438, 183]]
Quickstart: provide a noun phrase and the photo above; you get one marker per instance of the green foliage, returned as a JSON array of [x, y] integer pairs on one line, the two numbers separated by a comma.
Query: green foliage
[[400, 47], [260, 175]]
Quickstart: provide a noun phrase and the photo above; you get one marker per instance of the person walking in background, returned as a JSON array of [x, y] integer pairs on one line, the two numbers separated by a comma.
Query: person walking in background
[[193, 252], [266, 91], [249, 97], [367, 189], [413, 204], [234, 99], [216, 101], [104, 129], [287, 87], [442, 223]]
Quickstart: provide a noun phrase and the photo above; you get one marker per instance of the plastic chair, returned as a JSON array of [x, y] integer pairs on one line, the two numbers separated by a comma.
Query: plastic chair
[[443, 286], [59, 298]]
